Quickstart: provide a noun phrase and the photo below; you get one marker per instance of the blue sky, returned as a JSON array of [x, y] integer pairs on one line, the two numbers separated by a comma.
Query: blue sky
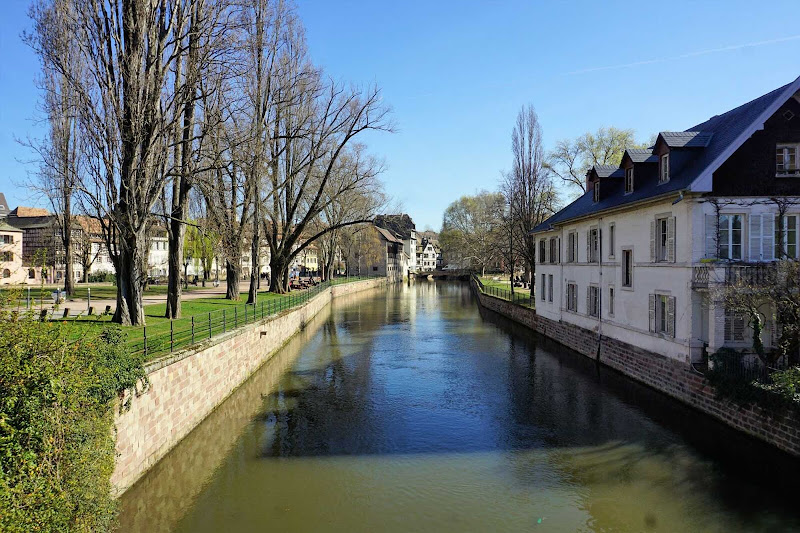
[[456, 73]]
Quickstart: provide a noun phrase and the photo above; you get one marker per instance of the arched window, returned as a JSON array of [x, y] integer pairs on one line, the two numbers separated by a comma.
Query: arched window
[[31, 274], [6, 273]]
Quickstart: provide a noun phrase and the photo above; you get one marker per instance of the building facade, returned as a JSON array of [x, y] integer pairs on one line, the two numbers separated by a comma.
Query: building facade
[[641, 255]]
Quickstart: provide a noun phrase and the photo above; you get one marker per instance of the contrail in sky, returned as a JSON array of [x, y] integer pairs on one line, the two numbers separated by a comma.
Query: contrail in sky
[[689, 54]]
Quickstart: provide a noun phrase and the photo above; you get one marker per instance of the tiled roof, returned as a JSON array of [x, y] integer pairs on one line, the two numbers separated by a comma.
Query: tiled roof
[[4, 226], [388, 235], [608, 171], [722, 133], [641, 155], [686, 139], [23, 211]]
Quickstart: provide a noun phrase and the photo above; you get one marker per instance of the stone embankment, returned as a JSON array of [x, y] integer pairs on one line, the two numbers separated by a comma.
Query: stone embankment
[[186, 386], [671, 377]]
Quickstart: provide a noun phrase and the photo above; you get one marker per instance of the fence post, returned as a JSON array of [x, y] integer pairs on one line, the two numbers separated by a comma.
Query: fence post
[[193, 329], [171, 337], [223, 321], [144, 334], [209, 324], [235, 317]]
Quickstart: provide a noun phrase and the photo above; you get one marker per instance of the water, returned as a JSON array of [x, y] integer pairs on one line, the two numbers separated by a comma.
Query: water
[[412, 410]]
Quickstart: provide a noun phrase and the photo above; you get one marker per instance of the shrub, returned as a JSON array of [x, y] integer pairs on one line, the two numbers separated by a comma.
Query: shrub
[[103, 277], [57, 398]]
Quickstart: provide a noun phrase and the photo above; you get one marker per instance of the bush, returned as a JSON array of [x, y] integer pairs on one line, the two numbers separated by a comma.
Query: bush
[[103, 277], [57, 398], [785, 383]]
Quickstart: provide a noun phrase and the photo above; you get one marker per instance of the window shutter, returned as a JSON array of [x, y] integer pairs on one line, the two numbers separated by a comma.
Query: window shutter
[[671, 239], [768, 237], [755, 230], [652, 311], [588, 296], [566, 295], [711, 236], [652, 241], [671, 316], [558, 243], [588, 246]]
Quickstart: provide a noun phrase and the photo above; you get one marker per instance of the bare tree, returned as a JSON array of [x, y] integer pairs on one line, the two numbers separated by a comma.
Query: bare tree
[[570, 159], [470, 230], [528, 188]]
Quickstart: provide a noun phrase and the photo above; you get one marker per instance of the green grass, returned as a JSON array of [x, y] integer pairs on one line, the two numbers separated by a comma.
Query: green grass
[[207, 317], [502, 283], [100, 291], [502, 289]]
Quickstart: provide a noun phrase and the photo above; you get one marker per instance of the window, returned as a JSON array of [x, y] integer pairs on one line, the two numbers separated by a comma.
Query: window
[[6, 273], [550, 288], [662, 314], [593, 301], [31, 274], [663, 175], [593, 245], [611, 301], [730, 237], [572, 297], [611, 238], [627, 268], [786, 236], [786, 160], [596, 192], [553, 248], [544, 288], [628, 180], [541, 251], [572, 251], [734, 327], [661, 239], [6, 256], [7, 239]]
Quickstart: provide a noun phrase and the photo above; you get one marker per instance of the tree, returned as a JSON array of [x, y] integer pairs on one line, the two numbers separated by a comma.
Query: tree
[[528, 189], [199, 247], [571, 159], [470, 227]]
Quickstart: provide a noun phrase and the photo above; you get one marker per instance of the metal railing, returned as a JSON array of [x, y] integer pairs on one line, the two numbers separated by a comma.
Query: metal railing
[[167, 337], [517, 298]]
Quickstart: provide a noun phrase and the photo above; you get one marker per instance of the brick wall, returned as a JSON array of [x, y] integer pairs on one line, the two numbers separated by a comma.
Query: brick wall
[[186, 386], [671, 377]]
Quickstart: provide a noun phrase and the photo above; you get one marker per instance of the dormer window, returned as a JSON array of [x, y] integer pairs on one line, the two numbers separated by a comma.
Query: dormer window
[[663, 175], [786, 160], [628, 180], [596, 192]]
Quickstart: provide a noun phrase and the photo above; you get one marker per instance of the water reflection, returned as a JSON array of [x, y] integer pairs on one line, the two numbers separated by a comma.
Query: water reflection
[[414, 411]]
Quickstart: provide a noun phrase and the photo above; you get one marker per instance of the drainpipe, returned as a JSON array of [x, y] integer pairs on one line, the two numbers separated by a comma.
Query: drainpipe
[[600, 289]]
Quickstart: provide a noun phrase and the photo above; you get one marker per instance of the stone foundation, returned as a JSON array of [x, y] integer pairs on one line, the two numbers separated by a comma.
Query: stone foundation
[[186, 386], [676, 379]]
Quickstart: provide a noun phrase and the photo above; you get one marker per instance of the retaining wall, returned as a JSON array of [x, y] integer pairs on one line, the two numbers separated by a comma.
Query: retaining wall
[[669, 376], [186, 386]]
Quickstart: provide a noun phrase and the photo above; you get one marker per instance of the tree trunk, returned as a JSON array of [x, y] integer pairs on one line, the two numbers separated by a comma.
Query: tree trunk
[[130, 311], [255, 245], [279, 274], [232, 272], [174, 259]]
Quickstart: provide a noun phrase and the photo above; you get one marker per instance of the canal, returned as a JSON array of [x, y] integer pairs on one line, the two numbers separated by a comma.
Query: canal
[[412, 410]]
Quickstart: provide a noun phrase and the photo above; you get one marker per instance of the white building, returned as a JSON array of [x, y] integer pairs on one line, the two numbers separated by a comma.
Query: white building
[[636, 258], [428, 257]]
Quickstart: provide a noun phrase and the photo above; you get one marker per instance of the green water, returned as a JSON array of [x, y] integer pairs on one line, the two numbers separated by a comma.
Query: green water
[[409, 410]]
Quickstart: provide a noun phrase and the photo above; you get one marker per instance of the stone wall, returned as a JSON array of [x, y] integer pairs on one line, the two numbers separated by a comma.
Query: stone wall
[[186, 386], [671, 377]]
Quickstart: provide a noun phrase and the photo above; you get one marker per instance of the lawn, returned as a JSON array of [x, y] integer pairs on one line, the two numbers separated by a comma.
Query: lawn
[[502, 283], [501, 288], [100, 291]]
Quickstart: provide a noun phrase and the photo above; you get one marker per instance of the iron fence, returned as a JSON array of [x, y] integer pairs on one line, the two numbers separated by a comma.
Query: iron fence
[[517, 298], [168, 337]]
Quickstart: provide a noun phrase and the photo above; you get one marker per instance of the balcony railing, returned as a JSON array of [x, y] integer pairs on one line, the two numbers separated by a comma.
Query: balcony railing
[[733, 274]]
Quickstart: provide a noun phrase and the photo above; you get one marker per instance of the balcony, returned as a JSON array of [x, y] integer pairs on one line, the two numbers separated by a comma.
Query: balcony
[[743, 274]]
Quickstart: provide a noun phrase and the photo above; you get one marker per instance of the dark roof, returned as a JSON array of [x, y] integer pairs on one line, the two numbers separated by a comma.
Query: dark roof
[[722, 132], [388, 235], [4, 209], [399, 224], [5, 226], [686, 139], [607, 171], [641, 155], [31, 222]]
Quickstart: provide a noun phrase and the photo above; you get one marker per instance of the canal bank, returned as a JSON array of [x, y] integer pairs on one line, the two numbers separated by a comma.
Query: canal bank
[[185, 387], [414, 409], [678, 380]]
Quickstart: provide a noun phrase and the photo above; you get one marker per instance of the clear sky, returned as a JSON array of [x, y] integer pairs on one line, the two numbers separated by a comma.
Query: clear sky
[[456, 73]]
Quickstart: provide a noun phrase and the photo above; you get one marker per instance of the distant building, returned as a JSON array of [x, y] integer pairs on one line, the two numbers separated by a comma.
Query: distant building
[[11, 269], [4, 209], [402, 226], [428, 257]]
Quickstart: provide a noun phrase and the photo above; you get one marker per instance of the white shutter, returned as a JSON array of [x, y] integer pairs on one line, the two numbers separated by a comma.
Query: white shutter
[[652, 241], [768, 237], [558, 243], [755, 237], [588, 297], [671, 239], [671, 316], [711, 236], [588, 246], [652, 311]]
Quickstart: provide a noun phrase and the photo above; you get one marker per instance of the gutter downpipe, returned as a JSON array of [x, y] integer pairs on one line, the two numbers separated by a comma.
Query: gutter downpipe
[[600, 288]]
